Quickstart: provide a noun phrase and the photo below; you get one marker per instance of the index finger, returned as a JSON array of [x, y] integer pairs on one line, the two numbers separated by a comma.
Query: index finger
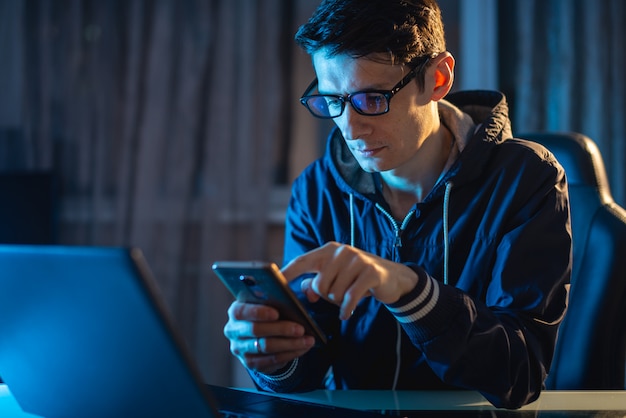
[[314, 261], [310, 262]]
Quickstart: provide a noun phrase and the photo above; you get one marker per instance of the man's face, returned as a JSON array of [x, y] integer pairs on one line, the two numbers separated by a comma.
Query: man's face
[[384, 142]]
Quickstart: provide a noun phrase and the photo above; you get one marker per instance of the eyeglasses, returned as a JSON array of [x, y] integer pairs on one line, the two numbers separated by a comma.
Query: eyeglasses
[[367, 102]]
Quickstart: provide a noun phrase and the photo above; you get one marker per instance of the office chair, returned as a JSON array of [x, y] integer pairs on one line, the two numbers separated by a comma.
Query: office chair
[[591, 347]]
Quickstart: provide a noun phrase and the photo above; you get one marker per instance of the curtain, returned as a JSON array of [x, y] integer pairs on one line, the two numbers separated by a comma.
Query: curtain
[[562, 66], [170, 126], [174, 126]]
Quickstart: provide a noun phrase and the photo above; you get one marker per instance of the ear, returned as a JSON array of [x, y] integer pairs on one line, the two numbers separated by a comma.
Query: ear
[[442, 73]]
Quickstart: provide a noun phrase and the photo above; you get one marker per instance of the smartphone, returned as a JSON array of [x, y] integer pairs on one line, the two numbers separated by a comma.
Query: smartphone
[[263, 283]]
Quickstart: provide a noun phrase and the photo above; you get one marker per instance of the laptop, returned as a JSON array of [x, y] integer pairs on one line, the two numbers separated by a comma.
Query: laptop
[[84, 332]]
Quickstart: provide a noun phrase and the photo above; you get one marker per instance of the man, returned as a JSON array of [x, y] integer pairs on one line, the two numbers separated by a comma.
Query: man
[[432, 247]]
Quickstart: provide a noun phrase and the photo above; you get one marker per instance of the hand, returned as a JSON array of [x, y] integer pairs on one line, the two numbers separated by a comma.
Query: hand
[[346, 274], [262, 342]]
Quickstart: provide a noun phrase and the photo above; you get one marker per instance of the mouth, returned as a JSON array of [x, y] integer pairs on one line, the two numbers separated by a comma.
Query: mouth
[[368, 152]]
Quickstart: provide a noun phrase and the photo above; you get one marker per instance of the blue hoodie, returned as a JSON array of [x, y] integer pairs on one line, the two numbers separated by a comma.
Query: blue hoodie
[[491, 244]]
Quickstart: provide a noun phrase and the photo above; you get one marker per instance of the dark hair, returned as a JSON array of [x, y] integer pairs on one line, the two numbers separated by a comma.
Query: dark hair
[[404, 30]]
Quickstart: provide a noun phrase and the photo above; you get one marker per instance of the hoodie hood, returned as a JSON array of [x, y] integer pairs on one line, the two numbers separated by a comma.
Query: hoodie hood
[[477, 119]]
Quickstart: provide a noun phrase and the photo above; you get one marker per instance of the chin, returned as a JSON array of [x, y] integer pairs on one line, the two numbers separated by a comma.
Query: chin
[[370, 167]]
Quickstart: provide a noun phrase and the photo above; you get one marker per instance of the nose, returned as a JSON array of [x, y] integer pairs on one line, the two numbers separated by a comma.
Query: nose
[[352, 124]]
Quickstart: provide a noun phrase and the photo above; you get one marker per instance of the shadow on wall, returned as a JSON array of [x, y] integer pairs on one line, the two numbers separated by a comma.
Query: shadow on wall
[[28, 212]]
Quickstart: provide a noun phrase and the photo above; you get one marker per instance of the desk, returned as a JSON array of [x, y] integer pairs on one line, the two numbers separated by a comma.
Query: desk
[[605, 404]]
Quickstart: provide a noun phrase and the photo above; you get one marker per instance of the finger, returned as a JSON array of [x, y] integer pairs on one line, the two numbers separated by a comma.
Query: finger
[[255, 352], [351, 300], [340, 276], [252, 312], [244, 330], [326, 261], [273, 345], [354, 282], [310, 262], [306, 263], [308, 291], [339, 273], [324, 281], [338, 268]]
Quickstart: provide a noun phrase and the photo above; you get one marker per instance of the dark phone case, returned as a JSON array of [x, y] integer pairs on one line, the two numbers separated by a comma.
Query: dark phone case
[[263, 283]]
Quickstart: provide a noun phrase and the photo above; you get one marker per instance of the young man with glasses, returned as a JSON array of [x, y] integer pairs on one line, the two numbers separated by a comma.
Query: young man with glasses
[[431, 246]]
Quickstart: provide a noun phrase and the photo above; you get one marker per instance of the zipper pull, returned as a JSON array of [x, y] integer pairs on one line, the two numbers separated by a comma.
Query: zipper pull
[[398, 242]]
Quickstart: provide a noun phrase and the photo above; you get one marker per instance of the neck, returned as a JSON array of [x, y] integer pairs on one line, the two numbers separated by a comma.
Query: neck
[[406, 186]]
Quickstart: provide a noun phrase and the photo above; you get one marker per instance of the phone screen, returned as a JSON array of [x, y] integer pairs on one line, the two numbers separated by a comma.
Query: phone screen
[[263, 283]]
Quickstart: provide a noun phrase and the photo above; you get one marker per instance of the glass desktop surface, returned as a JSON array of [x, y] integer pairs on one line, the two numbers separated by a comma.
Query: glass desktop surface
[[469, 404]]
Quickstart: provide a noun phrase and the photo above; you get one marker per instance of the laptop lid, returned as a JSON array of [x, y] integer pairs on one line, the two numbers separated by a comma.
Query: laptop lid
[[84, 332]]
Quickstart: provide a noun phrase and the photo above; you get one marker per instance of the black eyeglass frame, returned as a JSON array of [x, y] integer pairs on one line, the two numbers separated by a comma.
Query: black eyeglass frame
[[388, 94]]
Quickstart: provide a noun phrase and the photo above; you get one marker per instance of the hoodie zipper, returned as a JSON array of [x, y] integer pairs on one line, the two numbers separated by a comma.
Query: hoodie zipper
[[397, 228]]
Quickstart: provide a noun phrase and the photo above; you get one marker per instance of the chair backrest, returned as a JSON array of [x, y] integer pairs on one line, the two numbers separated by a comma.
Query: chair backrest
[[591, 347]]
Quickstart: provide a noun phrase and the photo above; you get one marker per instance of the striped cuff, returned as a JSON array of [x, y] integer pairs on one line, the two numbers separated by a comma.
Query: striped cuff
[[418, 303], [276, 378]]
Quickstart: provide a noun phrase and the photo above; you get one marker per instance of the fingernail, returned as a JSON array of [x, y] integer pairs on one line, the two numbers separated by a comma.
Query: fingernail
[[345, 316]]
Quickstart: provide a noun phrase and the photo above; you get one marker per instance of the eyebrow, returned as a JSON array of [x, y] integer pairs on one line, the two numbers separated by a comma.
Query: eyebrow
[[376, 87]]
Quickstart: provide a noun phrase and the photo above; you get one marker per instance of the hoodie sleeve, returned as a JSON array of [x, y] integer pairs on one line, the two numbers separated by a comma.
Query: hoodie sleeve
[[502, 343]]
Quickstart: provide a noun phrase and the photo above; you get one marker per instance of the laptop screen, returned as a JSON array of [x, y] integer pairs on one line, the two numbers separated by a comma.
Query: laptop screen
[[85, 333]]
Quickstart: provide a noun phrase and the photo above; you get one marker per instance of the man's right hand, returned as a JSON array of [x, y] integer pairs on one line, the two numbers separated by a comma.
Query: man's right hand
[[261, 341]]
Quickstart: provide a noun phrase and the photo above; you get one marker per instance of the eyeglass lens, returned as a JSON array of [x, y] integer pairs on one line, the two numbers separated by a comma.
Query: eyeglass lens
[[368, 103], [365, 102]]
